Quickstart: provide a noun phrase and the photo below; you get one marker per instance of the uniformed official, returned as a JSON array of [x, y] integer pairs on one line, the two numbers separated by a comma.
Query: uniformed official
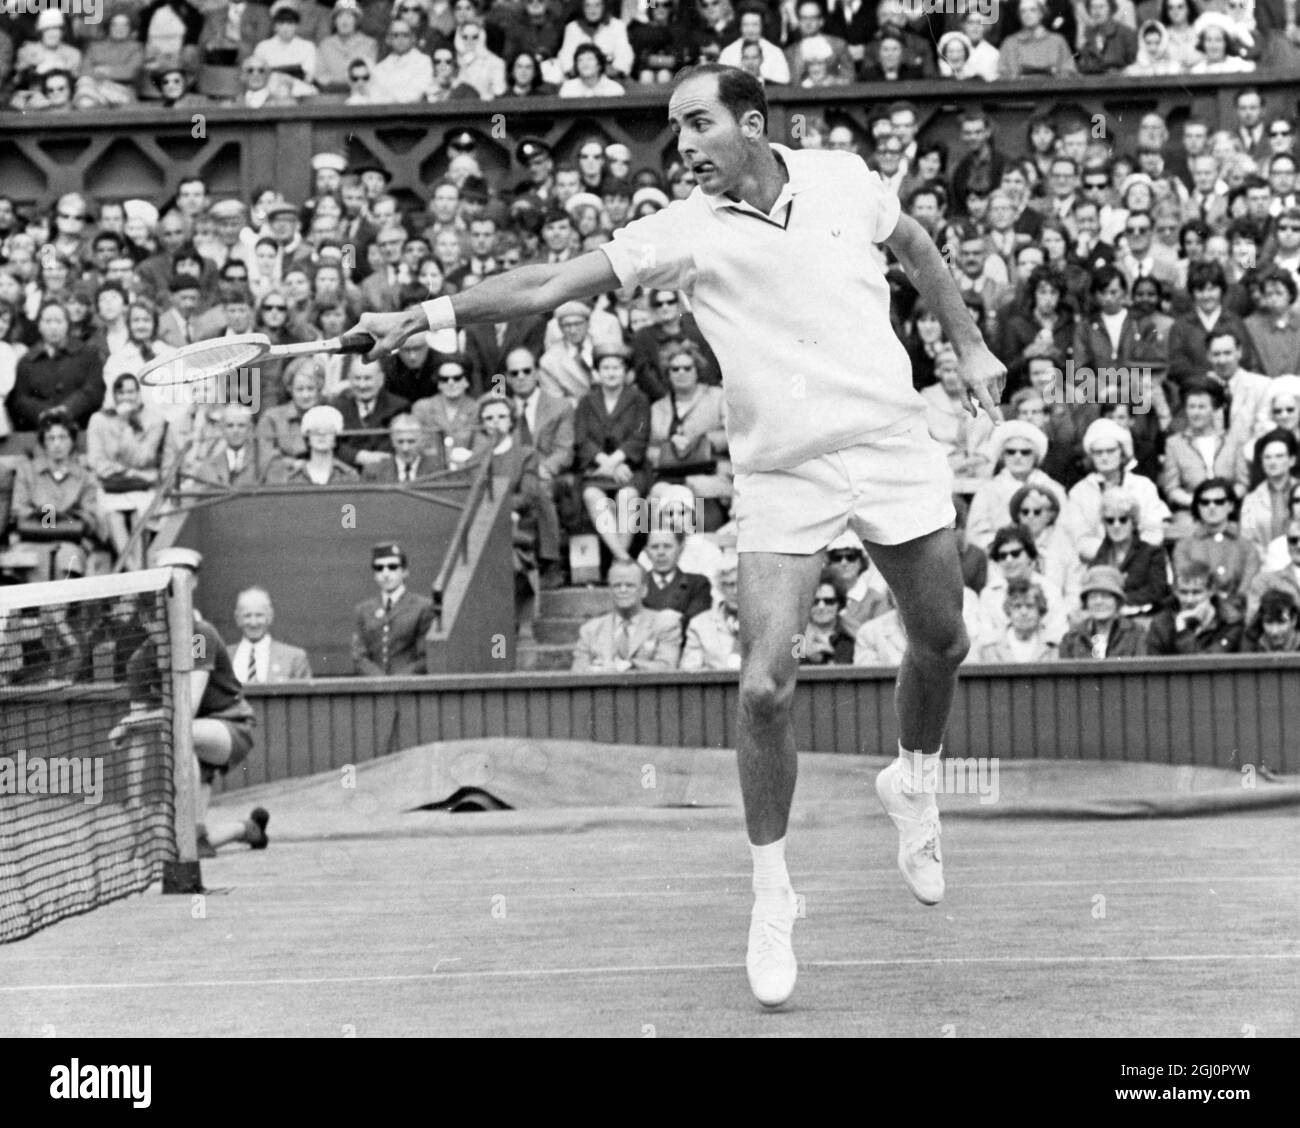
[[390, 627]]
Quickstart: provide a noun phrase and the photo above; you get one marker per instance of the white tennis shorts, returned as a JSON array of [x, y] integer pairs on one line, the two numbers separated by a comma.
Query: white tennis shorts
[[889, 491]]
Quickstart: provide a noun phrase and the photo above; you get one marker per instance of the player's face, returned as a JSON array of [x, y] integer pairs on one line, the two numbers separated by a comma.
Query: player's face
[[711, 141]]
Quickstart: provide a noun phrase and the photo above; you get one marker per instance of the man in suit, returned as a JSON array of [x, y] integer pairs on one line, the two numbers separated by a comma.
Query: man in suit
[[234, 462], [239, 24], [545, 422], [489, 345], [407, 463], [631, 636], [713, 637], [566, 368], [388, 639], [381, 288], [811, 15], [1208, 200], [854, 21], [1250, 130], [1143, 257], [668, 588], [366, 406], [176, 327], [258, 658], [412, 371], [1188, 348]]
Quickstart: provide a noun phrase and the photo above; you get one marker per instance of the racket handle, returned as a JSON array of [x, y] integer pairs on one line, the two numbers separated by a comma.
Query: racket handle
[[359, 343]]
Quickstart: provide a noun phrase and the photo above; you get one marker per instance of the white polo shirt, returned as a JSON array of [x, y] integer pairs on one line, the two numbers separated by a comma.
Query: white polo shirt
[[794, 304]]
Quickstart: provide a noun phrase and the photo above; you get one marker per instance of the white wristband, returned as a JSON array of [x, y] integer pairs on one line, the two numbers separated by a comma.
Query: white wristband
[[439, 313]]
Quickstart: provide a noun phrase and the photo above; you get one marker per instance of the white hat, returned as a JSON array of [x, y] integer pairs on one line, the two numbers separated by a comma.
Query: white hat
[[1283, 386], [618, 152], [583, 200], [177, 557], [322, 417], [677, 495], [50, 17], [816, 49], [847, 541], [650, 193], [335, 162], [1107, 430], [1018, 429], [142, 210]]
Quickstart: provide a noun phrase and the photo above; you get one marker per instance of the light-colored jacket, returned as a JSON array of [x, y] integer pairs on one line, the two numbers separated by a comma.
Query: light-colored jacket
[[654, 641]]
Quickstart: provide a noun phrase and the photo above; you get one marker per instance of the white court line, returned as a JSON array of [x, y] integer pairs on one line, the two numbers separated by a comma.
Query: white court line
[[641, 969], [476, 887]]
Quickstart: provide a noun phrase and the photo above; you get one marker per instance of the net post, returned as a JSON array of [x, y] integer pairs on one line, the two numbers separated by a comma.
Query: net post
[[183, 876]]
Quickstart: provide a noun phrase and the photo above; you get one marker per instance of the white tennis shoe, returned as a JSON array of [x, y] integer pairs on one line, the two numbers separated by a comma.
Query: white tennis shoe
[[770, 960], [917, 819]]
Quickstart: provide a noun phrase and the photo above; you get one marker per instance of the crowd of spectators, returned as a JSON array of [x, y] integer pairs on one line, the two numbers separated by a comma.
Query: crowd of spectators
[[178, 53], [1141, 288]]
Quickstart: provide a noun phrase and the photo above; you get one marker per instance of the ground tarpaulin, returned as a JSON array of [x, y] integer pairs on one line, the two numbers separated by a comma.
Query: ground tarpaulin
[[560, 785]]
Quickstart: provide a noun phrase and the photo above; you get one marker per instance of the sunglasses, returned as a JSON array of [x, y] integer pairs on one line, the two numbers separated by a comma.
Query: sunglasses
[[1010, 554], [843, 557], [823, 601], [1095, 184], [449, 379], [275, 309], [520, 371], [1279, 133], [1017, 452], [665, 302], [255, 70], [1124, 520], [1288, 226], [1214, 501], [1026, 511], [72, 215], [391, 567]]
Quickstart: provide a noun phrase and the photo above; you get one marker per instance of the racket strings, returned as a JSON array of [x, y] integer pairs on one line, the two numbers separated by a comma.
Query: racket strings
[[204, 362]]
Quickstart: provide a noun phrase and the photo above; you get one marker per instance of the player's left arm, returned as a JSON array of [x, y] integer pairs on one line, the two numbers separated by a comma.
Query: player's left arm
[[983, 373]]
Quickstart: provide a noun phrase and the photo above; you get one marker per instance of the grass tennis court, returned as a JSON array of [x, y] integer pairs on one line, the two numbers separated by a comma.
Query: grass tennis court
[[629, 927]]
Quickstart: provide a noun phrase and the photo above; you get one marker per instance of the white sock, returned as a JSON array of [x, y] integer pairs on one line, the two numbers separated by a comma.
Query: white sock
[[918, 771], [770, 874]]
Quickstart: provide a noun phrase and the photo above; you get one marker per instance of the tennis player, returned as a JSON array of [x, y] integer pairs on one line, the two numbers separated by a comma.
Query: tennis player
[[778, 250]]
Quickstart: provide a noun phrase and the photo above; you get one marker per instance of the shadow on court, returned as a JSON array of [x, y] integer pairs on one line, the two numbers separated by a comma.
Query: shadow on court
[[613, 901]]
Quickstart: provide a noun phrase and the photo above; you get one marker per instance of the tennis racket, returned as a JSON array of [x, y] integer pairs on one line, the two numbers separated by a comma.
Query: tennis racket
[[205, 360]]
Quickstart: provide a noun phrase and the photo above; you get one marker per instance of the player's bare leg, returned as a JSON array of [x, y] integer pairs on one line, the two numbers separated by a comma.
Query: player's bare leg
[[212, 746], [775, 593], [925, 577]]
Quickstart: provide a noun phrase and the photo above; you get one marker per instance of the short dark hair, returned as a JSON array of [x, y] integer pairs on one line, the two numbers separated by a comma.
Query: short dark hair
[[738, 91], [1224, 331], [1209, 484], [1282, 278], [55, 417], [1276, 605], [1013, 534], [1202, 274], [1204, 387]]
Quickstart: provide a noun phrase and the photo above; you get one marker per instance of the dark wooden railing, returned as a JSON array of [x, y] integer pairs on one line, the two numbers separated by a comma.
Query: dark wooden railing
[[1226, 712], [147, 151]]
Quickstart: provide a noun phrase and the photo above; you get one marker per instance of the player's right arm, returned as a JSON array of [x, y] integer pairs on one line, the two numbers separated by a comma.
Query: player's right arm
[[502, 297]]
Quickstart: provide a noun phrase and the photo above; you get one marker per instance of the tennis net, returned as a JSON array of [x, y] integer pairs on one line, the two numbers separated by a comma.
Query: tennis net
[[87, 806]]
